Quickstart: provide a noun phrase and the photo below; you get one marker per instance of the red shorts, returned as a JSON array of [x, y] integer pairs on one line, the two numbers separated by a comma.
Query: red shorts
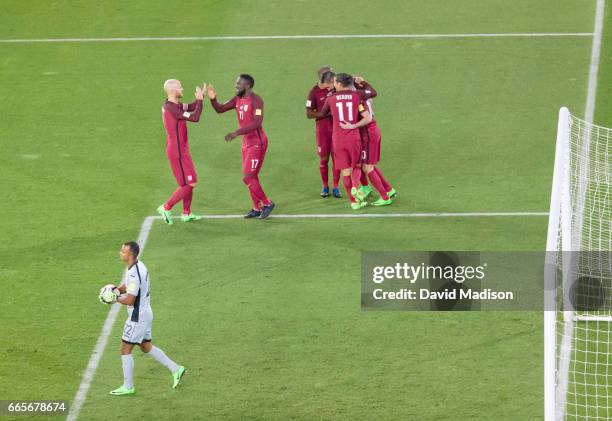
[[253, 154], [183, 170], [324, 137], [346, 154], [370, 145]]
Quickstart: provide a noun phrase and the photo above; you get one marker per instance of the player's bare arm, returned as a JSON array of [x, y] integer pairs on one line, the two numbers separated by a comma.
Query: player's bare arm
[[366, 118], [126, 299], [199, 95], [219, 108]]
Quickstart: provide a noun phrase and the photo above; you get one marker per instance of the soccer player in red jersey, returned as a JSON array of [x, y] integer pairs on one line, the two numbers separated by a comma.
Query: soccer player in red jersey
[[175, 116], [249, 109], [346, 107], [316, 98], [371, 140]]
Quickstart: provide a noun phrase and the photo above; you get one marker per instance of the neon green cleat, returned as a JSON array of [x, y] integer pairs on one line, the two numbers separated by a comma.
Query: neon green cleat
[[358, 205], [392, 193], [123, 391], [166, 215], [357, 194], [365, 190], [190, 217], [382, 202], [178, 376]]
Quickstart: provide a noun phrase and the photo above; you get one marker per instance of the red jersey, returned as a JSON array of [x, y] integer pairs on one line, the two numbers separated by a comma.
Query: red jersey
[[345, 107], [249, 111], [175, 117], [316, 100]]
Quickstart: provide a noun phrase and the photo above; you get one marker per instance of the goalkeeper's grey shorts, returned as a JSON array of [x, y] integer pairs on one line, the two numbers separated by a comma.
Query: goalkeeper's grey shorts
[[136, 333]]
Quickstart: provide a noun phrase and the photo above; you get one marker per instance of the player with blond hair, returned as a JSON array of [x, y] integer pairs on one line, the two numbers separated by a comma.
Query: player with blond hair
[[175, 116]]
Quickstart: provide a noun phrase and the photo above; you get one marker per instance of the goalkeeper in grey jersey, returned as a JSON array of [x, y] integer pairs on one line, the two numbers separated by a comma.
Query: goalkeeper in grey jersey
[[135, 294]]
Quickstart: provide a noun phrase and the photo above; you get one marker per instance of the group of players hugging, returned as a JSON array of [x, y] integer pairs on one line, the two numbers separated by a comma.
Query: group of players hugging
[[346, 130]]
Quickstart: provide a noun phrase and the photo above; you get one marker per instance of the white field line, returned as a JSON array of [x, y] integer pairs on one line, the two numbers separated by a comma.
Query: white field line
[[379, 215], [589, 111], [299, 37], [94, 360]]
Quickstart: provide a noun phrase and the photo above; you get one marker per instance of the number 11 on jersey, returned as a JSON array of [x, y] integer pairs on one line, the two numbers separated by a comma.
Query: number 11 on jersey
[[349, 107]]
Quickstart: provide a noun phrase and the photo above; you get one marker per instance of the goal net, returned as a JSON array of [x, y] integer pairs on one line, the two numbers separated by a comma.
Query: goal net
[[578, 276]]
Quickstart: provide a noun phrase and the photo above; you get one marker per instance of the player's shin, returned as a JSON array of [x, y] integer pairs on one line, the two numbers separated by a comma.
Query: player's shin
[[178, 195], [364, 179], [187, 201], [355, 191], [336, 177], [383, 180], [324, 171], [356, 176], [253, 192], [161, 357], [348, 185], [127, 361], [259, 190], [375, 179]]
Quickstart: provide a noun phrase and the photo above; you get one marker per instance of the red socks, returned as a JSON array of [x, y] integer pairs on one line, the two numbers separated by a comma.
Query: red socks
[[187, 202], [348, 185], [383, 180], [179, 194], [336, 175], [324, 170], [257, 194], [356, 176], [375, 179], [364, 179]]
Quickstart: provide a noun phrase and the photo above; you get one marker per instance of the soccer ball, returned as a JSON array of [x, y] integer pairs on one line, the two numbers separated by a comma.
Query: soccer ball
[[108, 294]]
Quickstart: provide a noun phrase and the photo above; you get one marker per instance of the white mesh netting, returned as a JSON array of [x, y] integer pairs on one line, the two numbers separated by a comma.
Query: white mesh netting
[[584, 328]]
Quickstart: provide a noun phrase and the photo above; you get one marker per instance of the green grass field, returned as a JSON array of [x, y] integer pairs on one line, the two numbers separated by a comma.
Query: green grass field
[[266, 314]]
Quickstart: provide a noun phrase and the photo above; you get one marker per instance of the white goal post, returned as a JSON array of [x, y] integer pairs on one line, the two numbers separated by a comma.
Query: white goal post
[[578, 275]]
